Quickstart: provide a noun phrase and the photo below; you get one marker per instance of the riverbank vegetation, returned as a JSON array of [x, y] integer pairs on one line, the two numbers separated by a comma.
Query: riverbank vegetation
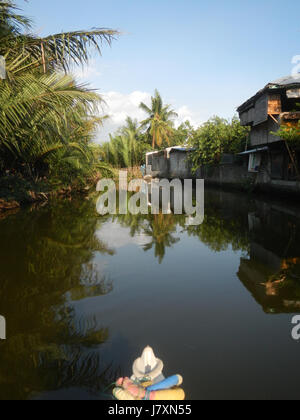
[[216, 137], [128, 146], [48, 119], [289, 132], [49, 122]]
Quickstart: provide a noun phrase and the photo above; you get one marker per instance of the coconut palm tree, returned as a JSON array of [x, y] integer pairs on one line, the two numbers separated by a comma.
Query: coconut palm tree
[[43, 109], [125, 150], [60, 50], [131, 126], [159, 123], [40, 115]]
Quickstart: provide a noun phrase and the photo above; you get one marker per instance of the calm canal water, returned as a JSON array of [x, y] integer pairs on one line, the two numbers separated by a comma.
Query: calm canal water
[[83, 295]]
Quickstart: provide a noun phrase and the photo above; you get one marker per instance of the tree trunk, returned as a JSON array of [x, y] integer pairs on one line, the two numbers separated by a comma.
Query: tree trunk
[[153, 141]]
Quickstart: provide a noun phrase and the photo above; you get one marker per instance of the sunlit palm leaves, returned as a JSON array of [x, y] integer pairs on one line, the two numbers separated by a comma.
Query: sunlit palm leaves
[[159, 123], [11, 22], [62, 49], [44, 112], [125, 150]]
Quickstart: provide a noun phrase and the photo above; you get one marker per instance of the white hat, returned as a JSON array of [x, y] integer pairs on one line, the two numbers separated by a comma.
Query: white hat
[[147, 365]]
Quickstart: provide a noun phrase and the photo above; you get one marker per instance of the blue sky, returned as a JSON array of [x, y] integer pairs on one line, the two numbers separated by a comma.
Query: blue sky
[[205, 57]]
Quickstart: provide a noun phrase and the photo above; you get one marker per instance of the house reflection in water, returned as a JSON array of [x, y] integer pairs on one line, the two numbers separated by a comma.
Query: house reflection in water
[[272, 272], [266, 232]]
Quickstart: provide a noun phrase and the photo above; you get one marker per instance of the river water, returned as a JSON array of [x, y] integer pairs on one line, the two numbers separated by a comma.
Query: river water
[[82, 296]]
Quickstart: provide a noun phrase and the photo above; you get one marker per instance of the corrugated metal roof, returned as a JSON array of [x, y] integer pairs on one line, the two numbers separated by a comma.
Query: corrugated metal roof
[[179, 148], [151, 153], [171, 149], [249, 152], [287, 80], [282, 82]]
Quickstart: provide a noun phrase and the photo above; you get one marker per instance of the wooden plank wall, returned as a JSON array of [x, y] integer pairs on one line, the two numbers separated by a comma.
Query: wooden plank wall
[[264, 106], [261, 134], [274, 105], [261, 110]]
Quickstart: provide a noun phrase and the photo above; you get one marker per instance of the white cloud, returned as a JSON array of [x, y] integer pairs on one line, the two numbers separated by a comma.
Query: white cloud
[[186, 114], [86, 73], [119, 106]]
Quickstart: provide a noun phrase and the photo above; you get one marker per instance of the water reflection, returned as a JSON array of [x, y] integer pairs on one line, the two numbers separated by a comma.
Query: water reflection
[[272, 270], [50, 267], [46, 267], [225, 224], [159, 230], [266, 233]]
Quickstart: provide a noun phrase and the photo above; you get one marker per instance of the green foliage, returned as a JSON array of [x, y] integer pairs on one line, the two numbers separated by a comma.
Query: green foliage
[[159, 124], [129, 145], [182, 135], [56, 51], [47, 118], [216, 137], [127, 148], [290, 133]]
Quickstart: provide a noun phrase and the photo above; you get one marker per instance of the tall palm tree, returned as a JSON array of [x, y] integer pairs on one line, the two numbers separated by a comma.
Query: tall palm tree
[[159, 123], [42, 108]]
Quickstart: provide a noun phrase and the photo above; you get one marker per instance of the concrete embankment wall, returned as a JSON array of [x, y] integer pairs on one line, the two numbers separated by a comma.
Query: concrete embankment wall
[[237, 177], [174, 165], [230, 175], [233, 174]]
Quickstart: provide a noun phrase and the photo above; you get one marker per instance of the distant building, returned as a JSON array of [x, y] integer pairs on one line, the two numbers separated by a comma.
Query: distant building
[[275, 104], [169, 163], [267, 164]]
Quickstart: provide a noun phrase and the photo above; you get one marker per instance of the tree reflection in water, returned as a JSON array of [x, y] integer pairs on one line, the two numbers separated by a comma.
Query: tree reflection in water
[[161, 229], [48, 264], [46, 267]]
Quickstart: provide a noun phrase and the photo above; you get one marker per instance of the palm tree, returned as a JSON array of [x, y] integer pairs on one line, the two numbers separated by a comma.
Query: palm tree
[[126, 149], [159, 123], [43, 110], [60, 50], [40, 115], [131, 126]]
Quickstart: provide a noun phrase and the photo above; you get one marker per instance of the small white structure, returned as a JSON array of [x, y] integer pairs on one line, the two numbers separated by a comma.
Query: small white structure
[[169, 163]]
